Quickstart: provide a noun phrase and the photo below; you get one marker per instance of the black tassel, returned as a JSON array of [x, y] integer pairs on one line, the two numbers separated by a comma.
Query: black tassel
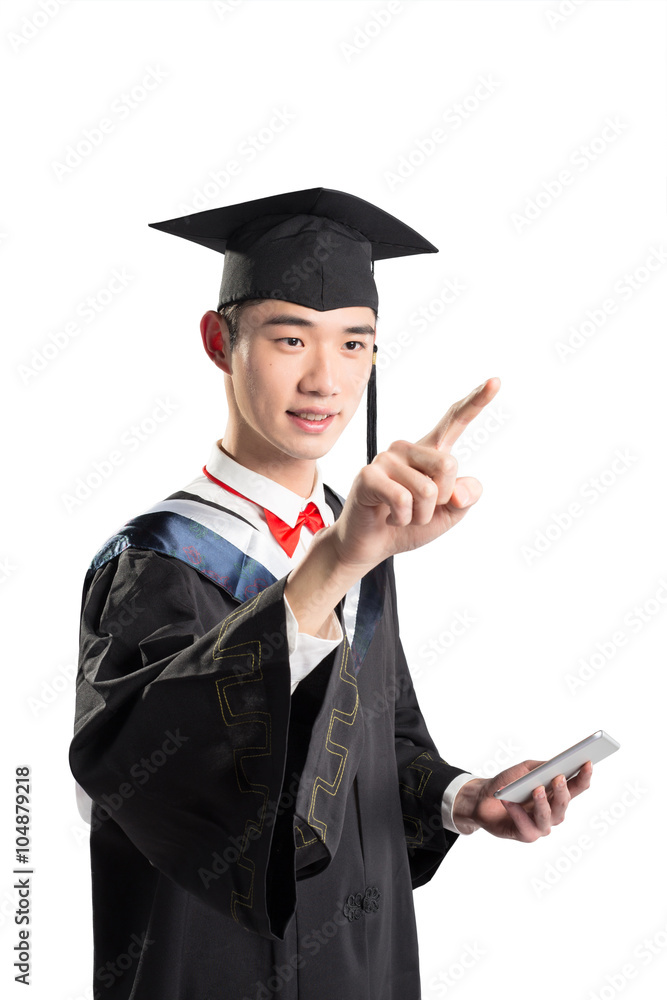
[[371, 413]]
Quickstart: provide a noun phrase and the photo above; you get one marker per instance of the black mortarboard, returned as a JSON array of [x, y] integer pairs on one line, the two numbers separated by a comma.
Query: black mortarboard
[[316, 248]]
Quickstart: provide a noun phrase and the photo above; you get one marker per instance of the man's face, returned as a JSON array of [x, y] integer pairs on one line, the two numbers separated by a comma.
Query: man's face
[[297, 376]]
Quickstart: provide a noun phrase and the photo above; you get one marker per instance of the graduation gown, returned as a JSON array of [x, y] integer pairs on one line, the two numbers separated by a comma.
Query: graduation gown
[[247, 843]]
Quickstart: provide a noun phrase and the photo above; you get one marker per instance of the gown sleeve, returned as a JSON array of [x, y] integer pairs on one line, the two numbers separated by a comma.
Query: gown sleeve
[[422, 773], [181, 731]]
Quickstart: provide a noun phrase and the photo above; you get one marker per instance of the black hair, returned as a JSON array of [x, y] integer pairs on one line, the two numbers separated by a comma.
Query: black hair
[[231, 313]]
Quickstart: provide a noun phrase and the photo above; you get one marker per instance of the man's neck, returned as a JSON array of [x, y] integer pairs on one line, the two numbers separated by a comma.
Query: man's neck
[[297, 475]]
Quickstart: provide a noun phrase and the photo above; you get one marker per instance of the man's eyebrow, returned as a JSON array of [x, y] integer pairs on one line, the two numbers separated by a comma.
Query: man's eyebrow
[[283, 319]]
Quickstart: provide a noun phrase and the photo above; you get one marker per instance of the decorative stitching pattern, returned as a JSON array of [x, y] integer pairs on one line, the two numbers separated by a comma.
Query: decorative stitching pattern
[[414, 840], [362, 902], [352, 907], [331, 787], [336, 749], [251, 650], [164, 532], [370, 901], [305, 843], [424, 774]]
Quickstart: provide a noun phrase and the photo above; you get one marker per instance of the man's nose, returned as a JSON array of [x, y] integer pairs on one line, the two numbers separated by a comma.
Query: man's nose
[[321, 374]]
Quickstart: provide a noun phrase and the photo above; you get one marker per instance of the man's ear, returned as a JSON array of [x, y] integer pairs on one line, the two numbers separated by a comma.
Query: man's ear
[[215, 337]]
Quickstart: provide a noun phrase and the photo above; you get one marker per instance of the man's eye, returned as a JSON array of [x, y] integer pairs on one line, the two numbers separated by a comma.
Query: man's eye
[[292, 341], [355, 343]]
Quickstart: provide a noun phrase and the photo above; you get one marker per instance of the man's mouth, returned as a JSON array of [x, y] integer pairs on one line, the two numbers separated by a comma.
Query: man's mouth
[[310, 414], [311, 420]]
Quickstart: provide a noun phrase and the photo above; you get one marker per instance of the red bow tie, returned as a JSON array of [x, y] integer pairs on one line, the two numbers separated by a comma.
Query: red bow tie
[[286, 536]]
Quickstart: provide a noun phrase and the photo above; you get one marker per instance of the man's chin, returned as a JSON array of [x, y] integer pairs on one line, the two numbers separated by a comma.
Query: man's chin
[[313, 453], [311, 449]]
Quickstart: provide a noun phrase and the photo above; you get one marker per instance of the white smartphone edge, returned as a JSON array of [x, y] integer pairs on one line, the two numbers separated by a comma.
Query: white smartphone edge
[[595, 748]]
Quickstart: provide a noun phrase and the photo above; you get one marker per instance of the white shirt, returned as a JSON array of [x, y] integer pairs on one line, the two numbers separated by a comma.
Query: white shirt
[[305, 651]]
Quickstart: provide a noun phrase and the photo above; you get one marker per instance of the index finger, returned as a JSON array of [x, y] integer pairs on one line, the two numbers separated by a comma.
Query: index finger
[[459, 415]]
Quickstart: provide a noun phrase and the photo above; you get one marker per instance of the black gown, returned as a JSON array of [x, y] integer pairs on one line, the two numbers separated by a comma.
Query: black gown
[[247, 843]]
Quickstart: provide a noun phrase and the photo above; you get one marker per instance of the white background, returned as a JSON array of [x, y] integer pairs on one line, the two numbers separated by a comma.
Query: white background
[[364, 85]]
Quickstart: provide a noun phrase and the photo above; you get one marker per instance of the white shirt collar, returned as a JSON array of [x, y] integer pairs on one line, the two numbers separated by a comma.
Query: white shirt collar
[[264, 491]]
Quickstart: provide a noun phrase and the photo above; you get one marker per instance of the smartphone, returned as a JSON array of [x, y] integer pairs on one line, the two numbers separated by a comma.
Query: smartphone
[[594, 748]]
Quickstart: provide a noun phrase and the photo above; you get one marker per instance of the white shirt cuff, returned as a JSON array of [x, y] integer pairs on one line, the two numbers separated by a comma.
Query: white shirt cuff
[[448, 801], [84, 803], [306, 651]]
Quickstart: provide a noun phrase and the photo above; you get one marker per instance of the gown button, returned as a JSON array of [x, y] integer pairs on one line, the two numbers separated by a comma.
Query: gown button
[[362, 902]]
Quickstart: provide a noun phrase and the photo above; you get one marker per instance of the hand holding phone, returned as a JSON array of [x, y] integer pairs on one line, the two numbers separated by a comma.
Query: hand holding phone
[[595, 747]]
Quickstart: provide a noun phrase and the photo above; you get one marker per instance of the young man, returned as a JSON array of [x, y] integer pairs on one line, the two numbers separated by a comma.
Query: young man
[[265, 791]]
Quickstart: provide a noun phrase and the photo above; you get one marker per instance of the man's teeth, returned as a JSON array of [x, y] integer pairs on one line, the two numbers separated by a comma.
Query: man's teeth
[[312, 416]]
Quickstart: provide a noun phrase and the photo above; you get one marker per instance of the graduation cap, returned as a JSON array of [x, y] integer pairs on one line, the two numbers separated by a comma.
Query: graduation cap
[[316, 248]]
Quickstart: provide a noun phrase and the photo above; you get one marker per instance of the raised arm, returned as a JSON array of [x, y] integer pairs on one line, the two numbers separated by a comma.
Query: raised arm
[[408, 496]]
